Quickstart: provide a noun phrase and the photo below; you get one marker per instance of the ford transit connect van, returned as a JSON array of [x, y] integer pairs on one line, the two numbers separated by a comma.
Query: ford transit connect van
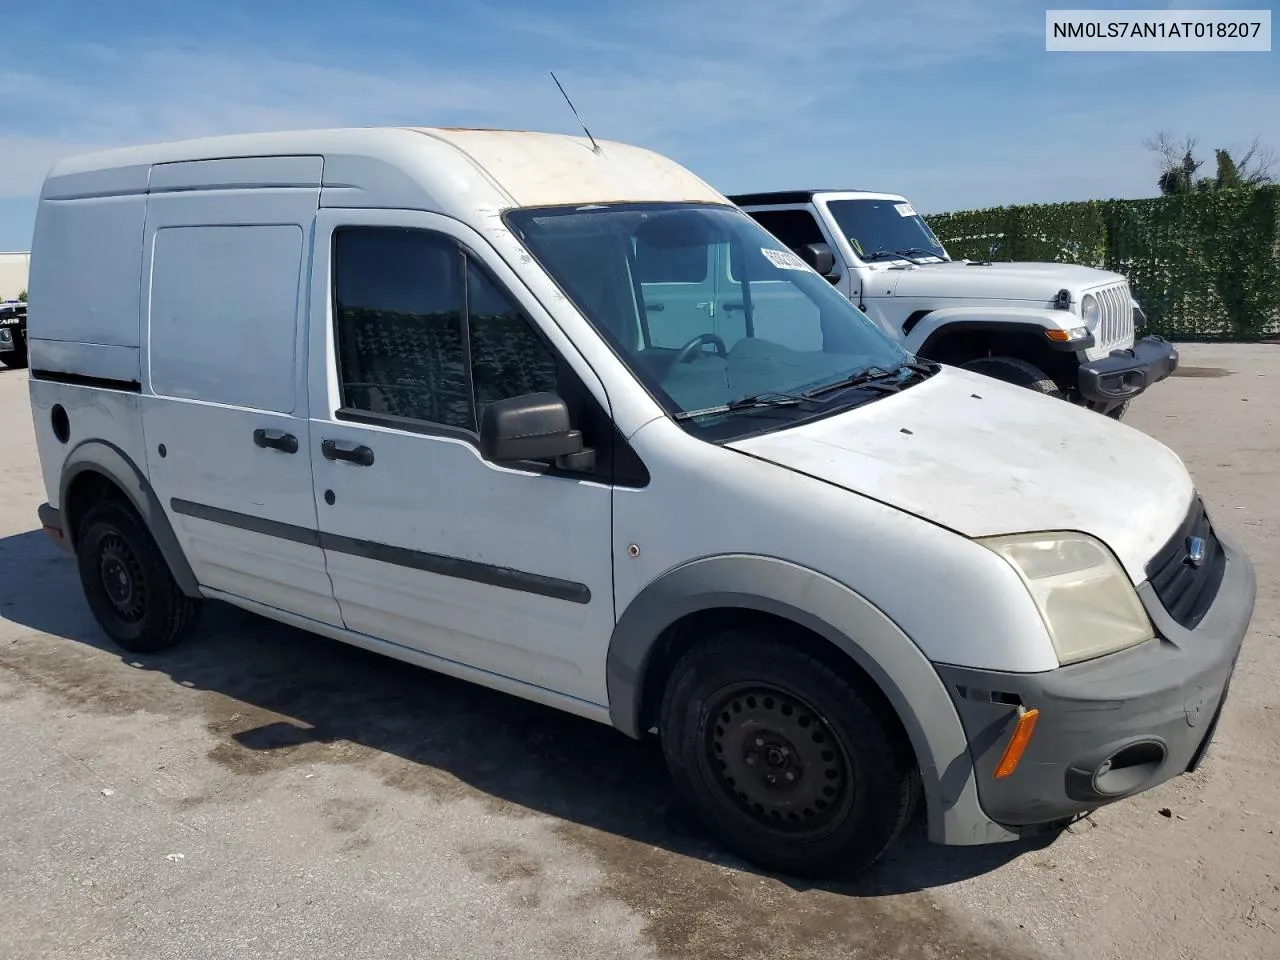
[[446, 395]]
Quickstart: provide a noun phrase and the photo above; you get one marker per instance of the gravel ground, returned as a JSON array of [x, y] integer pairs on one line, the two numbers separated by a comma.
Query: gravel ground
[[262, 792]]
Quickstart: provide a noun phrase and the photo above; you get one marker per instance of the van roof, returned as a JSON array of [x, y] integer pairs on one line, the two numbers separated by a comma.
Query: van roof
[[431, 168]]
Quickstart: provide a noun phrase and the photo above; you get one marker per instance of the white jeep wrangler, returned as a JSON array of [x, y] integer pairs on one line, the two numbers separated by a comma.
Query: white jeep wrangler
[[1064, 330]]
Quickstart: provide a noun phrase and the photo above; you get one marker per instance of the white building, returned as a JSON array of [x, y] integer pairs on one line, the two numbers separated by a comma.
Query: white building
[[13, 274]]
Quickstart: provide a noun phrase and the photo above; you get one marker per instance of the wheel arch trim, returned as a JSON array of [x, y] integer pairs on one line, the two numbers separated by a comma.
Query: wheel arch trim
[[842, 617], [109, 461]]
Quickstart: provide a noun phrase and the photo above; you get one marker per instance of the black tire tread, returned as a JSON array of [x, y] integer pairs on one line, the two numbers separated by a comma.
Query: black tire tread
[[1017, 371], [890, 760]]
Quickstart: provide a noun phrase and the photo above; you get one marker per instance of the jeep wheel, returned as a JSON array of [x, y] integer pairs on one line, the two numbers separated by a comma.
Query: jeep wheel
[[1117, 413], [788, 763], [130, 590], [1018, 372], [15, 358]]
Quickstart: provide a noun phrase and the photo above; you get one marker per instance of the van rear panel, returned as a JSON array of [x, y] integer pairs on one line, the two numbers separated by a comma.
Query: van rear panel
[[86, 271], [91, 413]]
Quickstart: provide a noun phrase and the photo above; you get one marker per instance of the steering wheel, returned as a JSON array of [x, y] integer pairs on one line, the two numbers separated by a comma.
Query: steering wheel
[[692, 348]]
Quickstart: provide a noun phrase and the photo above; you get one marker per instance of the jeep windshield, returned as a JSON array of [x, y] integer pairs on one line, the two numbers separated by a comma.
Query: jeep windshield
[[885, 230], [727, 329]]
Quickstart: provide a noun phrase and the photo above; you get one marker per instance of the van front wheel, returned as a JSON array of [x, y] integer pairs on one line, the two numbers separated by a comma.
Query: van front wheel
[[130, 590], [788, 763]]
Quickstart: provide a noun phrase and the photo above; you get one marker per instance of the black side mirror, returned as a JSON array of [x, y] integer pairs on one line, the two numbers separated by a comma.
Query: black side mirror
[[532, 427], [818, 256]]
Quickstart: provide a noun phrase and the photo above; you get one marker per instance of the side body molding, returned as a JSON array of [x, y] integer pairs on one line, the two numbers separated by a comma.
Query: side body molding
[[833, 611], [110, 461]]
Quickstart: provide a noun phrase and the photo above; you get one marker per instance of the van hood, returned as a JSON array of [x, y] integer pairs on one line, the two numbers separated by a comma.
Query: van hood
[[957, 280], [983, 457]]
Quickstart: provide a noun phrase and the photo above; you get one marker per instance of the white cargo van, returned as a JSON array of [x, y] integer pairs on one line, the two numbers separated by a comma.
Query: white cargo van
[[439, 393]]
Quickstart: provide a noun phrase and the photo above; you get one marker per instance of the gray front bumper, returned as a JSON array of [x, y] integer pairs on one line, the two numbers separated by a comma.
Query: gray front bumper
[[1109, 382], [1112, 727]]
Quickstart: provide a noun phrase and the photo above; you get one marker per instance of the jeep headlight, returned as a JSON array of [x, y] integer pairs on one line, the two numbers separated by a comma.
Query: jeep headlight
[[1084, 596], [1090, 312]]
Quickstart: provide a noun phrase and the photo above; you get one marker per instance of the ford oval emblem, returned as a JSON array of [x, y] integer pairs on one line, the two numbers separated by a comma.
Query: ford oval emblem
[[1195, 551]]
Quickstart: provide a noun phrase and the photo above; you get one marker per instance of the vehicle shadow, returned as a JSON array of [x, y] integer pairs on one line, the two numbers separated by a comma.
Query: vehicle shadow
[[505, 747]]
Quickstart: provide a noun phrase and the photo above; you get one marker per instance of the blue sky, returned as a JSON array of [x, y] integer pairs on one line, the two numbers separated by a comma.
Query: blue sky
[[952, 102]]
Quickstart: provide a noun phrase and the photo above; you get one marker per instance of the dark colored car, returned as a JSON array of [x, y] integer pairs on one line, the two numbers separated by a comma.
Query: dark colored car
[[13, 333]]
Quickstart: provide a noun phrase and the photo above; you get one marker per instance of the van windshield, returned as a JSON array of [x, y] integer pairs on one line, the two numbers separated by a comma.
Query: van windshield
[[881, 230], [719, 321]]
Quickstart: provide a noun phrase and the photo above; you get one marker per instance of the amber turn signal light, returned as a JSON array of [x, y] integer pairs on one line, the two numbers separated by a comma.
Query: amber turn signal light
[[1022, 731]]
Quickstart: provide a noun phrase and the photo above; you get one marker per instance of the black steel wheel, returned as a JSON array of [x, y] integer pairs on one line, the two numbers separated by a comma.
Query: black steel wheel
[[122, 578], [127, 582], [780, 759], [792, 764]]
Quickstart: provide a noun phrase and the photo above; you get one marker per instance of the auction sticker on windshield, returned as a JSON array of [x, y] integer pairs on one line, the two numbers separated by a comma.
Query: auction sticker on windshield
[[784, 259], [905, 209]]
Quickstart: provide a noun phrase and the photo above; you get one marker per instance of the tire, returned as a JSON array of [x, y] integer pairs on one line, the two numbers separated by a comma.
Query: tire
[[15, 359], [1018, 372], [127, 582], [850, 780], [1119, 412]]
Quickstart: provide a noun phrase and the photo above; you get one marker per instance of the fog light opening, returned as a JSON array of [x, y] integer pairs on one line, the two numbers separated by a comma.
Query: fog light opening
[[1129, 768]]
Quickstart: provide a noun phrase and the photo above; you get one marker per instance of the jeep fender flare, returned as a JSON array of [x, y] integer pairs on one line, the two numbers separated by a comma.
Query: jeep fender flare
[[112, 463], [930, 326], [847, 620]]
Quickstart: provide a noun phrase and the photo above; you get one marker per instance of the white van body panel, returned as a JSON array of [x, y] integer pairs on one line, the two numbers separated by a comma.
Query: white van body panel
[[434, 495], [970, 453], [108, 416], [940, 589], [224, 356], [97, 239]]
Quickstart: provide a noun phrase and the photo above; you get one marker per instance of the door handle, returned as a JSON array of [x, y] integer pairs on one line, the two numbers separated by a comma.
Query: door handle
[[276, 440], [361, 454]]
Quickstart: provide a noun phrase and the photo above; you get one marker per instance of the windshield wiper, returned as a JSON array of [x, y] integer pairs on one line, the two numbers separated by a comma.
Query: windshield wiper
[[906, 253], [755, 401], [926, 368], [867, 377], [769, 398], [873, 376]]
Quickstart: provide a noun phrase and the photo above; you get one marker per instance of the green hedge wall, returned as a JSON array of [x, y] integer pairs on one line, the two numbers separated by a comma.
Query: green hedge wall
[[1205, 266]]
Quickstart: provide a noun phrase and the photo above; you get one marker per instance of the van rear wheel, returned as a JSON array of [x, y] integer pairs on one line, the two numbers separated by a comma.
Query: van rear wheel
[[127, 582], [788, 763]]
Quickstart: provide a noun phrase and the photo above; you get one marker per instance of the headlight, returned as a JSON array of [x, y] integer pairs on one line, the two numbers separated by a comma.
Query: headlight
[[1090, 312], [1084, 596]]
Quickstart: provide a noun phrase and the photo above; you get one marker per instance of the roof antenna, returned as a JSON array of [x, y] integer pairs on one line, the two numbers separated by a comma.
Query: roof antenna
[[595, 147]]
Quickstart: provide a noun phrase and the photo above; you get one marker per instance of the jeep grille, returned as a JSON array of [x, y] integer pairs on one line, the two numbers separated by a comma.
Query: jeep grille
[[1116, 329]]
